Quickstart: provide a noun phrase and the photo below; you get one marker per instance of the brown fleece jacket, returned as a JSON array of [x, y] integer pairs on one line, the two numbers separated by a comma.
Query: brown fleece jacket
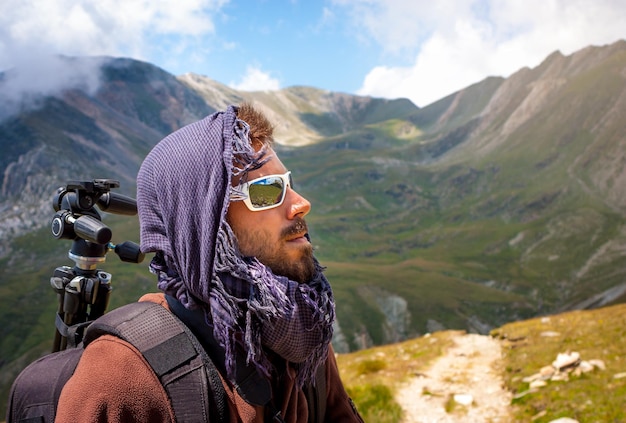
[[114, 383]]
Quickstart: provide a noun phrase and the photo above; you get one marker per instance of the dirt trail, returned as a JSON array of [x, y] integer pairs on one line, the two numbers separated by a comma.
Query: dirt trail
[[466, 371]]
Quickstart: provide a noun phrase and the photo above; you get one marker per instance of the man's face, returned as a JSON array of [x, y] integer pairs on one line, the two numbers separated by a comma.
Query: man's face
[[275, 236]]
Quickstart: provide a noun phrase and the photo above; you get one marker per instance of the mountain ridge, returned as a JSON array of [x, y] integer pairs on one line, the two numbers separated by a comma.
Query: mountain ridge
[[499, 202]]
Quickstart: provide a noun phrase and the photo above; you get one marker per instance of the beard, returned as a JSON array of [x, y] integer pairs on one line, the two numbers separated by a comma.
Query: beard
[[276, 255], [301, 271]]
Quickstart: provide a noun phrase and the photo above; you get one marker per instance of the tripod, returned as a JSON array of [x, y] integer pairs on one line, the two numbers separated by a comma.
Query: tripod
[[83, 291]]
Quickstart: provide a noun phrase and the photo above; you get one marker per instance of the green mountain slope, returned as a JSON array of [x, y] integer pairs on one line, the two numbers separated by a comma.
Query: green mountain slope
[[512, 206], [500, 202]]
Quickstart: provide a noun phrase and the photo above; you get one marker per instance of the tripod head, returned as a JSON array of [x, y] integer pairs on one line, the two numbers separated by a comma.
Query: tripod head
[[83, 290]]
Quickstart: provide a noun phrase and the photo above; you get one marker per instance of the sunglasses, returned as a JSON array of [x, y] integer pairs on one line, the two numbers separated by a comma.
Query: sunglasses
[[265, 192]]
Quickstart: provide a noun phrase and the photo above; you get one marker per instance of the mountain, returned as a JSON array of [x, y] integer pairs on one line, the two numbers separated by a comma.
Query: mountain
[[500, 202], [78, 136]]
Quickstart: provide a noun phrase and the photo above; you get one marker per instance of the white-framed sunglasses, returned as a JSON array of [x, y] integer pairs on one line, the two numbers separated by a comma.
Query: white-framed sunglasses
[[263, 193]]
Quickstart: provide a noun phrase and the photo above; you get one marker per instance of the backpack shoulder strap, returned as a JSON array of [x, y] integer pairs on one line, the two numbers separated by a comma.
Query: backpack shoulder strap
[[254, 388], [175, 355]]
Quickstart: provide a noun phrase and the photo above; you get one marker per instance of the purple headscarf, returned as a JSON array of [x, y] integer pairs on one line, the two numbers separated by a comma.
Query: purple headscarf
[[183, 193]]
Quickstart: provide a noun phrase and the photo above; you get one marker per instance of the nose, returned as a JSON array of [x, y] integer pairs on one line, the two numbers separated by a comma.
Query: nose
[[298, 205]]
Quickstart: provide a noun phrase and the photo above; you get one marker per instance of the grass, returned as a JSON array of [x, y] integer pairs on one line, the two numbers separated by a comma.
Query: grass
[[373, 376], [375, 403], [592, 397]]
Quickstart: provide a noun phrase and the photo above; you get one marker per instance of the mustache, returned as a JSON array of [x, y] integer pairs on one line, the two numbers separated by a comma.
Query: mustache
[[296, 228]]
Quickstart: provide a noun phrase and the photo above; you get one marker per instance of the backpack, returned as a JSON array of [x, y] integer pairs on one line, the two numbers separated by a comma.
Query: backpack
[[175, 355], [168, 345]]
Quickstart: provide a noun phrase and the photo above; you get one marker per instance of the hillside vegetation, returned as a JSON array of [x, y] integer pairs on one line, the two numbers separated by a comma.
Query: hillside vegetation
[[499, 203], [374, 376]]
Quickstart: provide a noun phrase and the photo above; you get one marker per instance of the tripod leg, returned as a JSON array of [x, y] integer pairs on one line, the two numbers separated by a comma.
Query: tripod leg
[[101, 302], [58, 284]]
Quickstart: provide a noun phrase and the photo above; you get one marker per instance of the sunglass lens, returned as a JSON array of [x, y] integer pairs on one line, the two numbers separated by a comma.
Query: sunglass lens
[[266, 192]]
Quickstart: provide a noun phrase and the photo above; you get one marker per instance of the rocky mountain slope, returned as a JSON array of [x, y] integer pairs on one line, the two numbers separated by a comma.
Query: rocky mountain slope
[[499, 202], [80, 136]]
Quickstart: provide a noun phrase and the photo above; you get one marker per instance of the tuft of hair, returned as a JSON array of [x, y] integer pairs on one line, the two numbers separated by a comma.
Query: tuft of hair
[[261, 129]]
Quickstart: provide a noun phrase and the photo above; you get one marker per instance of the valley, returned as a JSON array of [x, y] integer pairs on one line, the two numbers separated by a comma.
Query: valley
[[499, 203]]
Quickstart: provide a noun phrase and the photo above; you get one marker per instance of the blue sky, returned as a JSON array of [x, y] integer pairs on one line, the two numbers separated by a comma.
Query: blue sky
[[290, 43], [418, 49]]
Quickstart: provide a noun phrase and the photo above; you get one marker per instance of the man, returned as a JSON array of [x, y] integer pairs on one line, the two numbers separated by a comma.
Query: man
[[219, 210]]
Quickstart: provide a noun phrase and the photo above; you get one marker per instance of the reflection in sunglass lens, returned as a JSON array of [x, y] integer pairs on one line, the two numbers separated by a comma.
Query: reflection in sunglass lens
[[266, 192]]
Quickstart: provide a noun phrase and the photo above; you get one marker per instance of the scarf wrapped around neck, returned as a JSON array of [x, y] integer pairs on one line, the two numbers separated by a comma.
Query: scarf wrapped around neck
[[183, 193]]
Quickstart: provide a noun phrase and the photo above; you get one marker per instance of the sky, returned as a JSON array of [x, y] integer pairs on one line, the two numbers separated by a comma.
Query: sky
[[423, 50]]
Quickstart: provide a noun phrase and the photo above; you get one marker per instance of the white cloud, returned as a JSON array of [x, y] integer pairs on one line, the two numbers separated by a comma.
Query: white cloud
[[99, 27], [256, 80], [33, 33], [399, 26], [426, 48], [25, 89], [455, 43]]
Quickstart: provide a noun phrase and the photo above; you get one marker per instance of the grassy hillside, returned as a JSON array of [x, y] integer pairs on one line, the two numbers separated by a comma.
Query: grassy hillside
[[497, 203], [501, 202], [493, 241], [373, 376], [599, 396]]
